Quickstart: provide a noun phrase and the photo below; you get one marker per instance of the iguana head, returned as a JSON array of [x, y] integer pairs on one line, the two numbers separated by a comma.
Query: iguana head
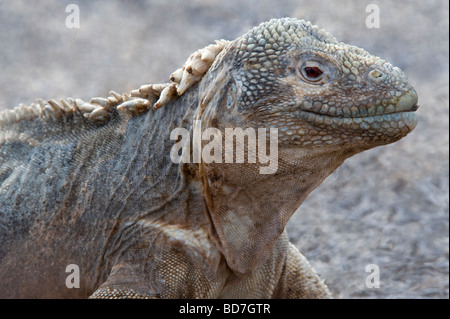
[[328, 100], [289, 74]]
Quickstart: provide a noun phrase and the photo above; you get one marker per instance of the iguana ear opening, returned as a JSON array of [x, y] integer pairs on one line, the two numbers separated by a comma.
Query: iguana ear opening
[[212, 95], [217, 83]]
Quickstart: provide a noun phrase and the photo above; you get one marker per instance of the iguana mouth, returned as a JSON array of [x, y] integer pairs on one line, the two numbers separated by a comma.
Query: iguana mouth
[[390, 123], [415, 107], [412, 110], [406, 103]]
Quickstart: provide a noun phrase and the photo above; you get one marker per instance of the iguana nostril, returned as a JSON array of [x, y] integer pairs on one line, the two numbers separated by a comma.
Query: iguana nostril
[[375, 74]]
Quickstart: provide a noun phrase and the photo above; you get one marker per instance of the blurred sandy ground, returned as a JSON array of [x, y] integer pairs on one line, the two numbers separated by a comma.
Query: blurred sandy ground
[[388, 206]]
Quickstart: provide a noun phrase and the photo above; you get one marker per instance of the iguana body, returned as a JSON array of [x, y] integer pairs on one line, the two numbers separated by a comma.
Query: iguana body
[[101, 191]]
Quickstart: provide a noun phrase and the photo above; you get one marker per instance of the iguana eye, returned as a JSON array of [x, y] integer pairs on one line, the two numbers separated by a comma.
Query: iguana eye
[[312, 72]]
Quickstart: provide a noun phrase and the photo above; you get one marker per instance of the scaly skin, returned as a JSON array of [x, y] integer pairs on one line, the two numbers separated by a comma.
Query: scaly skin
[[100, 190]]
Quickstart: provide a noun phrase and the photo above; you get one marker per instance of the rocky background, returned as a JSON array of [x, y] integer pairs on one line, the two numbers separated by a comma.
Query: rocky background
[[388, 206]]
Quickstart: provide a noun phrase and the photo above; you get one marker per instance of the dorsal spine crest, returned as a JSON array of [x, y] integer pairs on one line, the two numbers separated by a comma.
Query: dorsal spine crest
[[98, 109]]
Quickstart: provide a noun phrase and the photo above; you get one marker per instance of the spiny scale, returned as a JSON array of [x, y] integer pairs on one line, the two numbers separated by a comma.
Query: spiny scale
[[98, 108]]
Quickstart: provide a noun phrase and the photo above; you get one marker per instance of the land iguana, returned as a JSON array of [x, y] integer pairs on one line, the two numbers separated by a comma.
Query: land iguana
[[94, 184]]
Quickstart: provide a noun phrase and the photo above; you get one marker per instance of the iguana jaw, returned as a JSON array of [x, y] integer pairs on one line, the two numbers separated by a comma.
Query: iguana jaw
[[386, 121]]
